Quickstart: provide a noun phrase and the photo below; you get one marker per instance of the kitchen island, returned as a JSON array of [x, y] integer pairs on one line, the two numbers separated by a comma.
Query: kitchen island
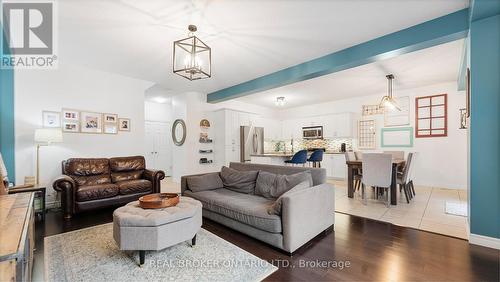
[[270, 158]]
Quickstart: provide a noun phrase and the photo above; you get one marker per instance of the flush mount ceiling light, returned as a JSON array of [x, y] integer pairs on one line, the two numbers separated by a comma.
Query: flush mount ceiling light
[[280, 101], [388, 102], [192, 58]]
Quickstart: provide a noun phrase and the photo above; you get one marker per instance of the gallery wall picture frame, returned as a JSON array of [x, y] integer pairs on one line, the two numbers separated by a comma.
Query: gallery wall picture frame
[[396, 137], [366, 134], [398, 118], [110, 125], [70, 120], [91, 122], [51, 119], [370, 110], [123, 124]]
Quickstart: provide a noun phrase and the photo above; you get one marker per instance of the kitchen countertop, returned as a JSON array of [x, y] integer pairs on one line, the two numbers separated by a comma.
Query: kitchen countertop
[[287, 155]]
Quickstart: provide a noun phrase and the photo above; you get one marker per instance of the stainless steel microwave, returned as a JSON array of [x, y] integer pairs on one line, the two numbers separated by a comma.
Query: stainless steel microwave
[[312, 132]]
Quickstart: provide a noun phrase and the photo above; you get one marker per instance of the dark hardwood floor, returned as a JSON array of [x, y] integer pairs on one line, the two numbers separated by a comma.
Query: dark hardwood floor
[[369, 251]]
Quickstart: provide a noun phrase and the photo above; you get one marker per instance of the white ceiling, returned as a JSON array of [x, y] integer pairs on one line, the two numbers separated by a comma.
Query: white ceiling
[[421, 68], [248, 38]]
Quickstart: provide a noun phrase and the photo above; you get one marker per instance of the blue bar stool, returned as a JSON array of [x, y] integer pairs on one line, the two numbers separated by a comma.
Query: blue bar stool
[[299, 158], [316, 158]]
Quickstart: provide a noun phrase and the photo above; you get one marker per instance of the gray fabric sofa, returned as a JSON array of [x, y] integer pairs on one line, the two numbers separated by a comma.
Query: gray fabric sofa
[[304, 214]]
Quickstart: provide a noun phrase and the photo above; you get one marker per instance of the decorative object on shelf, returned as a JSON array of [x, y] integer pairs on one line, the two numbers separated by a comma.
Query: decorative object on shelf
[[192, 58], [51, 119], [388, 101], [204, 138], [401, 117], [206, 151], [70, 120], [205, 161], [280, 101], [204, 124], [463, 118], [91, 122], [124, 124], [159, 200], [179, 132], [110, 123], [396, 137], [370, 110], [366, 134], [45, 137], [431, 116]]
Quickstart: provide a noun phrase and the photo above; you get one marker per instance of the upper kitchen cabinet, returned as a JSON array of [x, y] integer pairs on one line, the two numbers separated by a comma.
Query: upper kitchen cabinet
[[272, 127], [292, 128], [338, 125]]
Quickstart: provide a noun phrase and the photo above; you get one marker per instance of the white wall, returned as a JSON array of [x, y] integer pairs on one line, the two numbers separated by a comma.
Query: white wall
[[75, 88], [442, 160], [161, 112]]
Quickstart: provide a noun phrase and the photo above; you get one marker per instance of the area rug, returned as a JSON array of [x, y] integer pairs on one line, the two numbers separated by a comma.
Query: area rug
[[91, 254], [455, 208]]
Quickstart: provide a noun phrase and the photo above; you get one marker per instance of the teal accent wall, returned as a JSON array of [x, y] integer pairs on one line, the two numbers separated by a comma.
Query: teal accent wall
[[485, 121], [431, 33], [7, 141]]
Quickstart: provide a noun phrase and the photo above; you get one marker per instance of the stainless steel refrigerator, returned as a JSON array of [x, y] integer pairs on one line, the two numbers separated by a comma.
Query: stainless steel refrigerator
[[251, 142]]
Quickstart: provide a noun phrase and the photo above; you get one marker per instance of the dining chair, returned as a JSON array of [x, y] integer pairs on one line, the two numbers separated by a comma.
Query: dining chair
[[398, 155], [412, 172], [403, 180], [359, 155], [299, 158], [351, 156], [377, 172]]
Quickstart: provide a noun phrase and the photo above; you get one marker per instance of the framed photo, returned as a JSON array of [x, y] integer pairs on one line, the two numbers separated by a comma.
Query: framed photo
[[51, 119], [91, 122], [72, 115], [396, 137], [110, 128], [69, 126], [124, 124]]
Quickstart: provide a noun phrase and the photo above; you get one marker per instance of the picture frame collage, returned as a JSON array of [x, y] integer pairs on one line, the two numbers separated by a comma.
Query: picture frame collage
[[77, 121]]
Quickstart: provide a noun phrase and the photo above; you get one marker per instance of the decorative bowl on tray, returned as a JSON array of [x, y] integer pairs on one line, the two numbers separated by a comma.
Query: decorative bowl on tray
[[159, 200]]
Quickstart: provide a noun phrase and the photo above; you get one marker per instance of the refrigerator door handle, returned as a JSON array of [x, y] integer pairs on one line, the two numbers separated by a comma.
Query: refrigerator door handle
[[255, 144]]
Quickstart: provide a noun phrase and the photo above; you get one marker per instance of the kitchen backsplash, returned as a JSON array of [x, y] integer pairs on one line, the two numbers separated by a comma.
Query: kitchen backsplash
[[330, 144]]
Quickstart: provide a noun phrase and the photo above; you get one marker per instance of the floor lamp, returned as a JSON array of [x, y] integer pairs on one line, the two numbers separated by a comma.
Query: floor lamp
[[45, 137]]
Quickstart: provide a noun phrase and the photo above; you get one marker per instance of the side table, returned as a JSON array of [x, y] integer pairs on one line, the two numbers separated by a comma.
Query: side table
[[39, 191]]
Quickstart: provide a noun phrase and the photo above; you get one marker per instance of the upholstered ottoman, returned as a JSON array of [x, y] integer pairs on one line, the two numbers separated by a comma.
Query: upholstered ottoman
[[138, 229]]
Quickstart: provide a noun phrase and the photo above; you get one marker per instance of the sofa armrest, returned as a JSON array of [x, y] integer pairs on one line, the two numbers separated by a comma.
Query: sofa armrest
[[67, 187], [306, 213], [155, 176], [184, 185]]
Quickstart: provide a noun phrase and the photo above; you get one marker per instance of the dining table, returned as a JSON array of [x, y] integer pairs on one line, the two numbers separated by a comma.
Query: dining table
[[357, 165]]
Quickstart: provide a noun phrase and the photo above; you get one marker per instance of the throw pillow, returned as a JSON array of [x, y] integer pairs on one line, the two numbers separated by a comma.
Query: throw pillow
[[239, 181], [275, 208], [271, 186], [209, 181]]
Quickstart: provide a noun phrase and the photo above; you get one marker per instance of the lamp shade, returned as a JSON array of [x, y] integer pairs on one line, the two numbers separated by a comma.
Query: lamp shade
[[48, 135]]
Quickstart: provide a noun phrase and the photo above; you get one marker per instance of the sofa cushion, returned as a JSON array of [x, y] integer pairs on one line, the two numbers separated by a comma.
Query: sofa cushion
[[91, 179], [128, 175], [239, 181], [95, 192], [245, 208], [127, 163], [86, 166], [134, 186], [209, 181], [276, 207], [272, 185]]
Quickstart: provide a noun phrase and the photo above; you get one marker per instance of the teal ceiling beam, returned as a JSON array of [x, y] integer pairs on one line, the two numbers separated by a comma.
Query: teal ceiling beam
[[431, 33], [481, 9]]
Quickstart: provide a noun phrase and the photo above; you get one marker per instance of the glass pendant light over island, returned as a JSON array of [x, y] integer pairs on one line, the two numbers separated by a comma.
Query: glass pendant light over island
[[192, 58], [388, 102]]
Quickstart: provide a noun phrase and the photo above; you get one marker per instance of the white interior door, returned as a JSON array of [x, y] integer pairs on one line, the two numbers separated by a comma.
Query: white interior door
[[159, 150]]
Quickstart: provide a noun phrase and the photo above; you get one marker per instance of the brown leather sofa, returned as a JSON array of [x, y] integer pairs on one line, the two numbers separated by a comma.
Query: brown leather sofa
[[88, 184]]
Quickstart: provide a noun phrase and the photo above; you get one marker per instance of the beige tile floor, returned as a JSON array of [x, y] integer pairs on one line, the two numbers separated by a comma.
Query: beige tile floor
[[425, 212]]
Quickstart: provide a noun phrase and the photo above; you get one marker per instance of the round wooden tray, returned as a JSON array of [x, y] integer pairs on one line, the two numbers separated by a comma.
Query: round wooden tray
[[159, 200]]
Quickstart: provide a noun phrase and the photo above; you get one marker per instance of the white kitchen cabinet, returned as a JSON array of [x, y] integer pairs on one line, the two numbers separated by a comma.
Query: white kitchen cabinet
[[232, 154], [327, 164], [339, 167]]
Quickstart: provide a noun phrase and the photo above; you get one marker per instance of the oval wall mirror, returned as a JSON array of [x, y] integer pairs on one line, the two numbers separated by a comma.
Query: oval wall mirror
[[179, 132]]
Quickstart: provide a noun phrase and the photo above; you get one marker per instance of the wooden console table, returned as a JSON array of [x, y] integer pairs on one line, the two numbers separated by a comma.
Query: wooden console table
[[16, 236]]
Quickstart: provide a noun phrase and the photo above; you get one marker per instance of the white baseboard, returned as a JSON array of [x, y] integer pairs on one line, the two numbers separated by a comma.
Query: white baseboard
[[484, 241]]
